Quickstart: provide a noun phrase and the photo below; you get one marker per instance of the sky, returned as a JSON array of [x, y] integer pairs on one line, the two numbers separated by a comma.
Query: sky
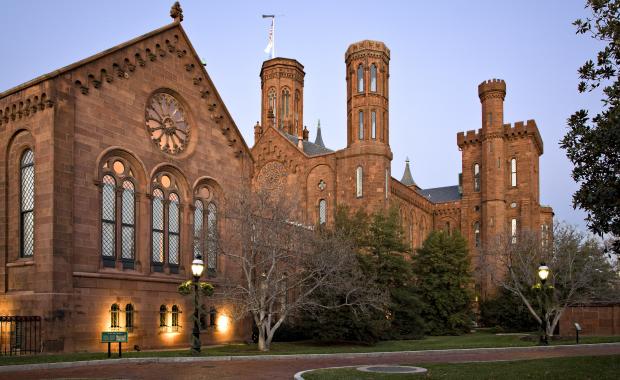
[[440, 52]]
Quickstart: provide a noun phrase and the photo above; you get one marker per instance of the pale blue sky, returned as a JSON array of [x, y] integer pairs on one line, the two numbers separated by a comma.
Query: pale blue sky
[[440, 52]]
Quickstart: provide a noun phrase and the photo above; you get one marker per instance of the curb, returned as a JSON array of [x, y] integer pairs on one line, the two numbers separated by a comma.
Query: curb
[[344, 355]]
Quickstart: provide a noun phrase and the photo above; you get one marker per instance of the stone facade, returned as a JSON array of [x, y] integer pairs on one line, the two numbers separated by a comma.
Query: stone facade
[[131, 140]]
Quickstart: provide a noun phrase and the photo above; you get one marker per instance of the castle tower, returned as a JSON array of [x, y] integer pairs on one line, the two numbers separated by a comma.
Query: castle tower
[[368, 72], [492, 170], [364, 166], [282, 91]]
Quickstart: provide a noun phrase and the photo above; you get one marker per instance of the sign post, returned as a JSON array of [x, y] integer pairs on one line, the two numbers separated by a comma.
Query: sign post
[[110, 337]]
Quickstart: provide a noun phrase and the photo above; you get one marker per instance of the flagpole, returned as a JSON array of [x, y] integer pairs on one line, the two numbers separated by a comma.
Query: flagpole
[[273, 27]]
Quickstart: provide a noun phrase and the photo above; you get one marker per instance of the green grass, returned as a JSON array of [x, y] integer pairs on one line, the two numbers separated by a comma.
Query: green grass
[[478, 339], [584, 367]]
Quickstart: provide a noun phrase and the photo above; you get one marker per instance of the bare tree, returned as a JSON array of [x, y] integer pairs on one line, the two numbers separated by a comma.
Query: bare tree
[[283, 263], [579, 271]]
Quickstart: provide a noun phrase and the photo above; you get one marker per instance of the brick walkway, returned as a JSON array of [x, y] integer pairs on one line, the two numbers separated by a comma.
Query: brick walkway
[[285, 368]]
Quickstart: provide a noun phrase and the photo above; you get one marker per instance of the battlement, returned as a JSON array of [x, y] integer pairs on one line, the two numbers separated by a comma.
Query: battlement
[[370, 45], [470, 137], [523, 129], [492, 86]]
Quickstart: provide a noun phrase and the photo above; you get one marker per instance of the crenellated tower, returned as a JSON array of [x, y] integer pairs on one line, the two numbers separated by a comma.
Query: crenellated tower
[[282, 92]]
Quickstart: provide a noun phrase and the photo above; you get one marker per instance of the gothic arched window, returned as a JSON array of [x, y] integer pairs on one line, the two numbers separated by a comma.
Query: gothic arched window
[[175, 318], [114, 316], [360, 78], [162, 315], [359, 181], [373, 125], [108, 219], [373, 78], [273, 102], [128, 210], [513, 230], [27, 204], [476, 177], [166, 223], [477, 234], [513, 172], [198, 228], [322, 211], [212, 238], [129, 320], [285, 102], [361, 126], [157, 215], [173, 229]]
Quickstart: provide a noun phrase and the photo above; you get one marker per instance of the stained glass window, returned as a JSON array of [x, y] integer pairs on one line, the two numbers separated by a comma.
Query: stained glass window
[[27, 204]]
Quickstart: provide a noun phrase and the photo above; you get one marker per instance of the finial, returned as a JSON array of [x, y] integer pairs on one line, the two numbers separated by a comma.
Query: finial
[[176, 12], [407, 160], [319, 124]]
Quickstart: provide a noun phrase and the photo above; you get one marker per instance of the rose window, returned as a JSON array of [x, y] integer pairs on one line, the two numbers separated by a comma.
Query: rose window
[[167, 123]]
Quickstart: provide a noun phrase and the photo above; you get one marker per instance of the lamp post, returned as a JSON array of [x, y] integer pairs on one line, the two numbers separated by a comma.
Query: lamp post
[[543, 273], [198, 267]]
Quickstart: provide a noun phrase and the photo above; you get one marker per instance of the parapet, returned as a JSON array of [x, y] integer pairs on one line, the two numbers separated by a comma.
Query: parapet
[[366, 45], [521, 129], [282, 67], [470, 137], [492, 87]]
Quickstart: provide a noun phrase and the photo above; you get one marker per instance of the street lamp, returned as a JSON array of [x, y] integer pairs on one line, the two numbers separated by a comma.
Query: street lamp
[[543, 273], [198, 266]]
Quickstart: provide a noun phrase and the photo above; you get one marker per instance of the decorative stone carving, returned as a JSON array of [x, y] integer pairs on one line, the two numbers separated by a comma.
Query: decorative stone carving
[[167, 124], [176, 12], [272, 177]]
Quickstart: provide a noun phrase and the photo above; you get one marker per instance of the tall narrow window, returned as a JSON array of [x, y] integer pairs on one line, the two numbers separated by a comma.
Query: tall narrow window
[[387, 182], [358, 181], [373, 78], [384, 128], [544, 235], [128, 221], [322, 211], [198, 227], [476, 177], [212, 317], [285, 102], [273, 103], [373, 125], [477, 234], [114, 316], [360, 78], [175, 318], [157, 253], [361, 126], [513, 172], [129, 317], [513, 231], [173, 230], [108, 219], [212, 236], [27, 204], [162, 316]]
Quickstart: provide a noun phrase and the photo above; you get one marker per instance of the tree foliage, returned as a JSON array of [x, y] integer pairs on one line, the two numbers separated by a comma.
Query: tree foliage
[[593, 145], [443, 279]]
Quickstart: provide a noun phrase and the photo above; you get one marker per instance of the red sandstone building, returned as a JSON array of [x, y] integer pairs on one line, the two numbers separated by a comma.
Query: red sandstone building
[[115, 169]]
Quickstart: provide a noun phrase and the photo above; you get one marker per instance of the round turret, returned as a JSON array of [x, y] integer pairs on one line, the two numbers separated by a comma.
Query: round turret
[[492, 87]]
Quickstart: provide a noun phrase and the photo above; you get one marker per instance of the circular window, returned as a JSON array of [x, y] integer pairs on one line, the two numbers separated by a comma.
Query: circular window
[[167, 123]]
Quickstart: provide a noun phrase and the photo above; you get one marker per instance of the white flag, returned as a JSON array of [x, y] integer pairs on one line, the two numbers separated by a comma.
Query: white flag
[[269, 47]]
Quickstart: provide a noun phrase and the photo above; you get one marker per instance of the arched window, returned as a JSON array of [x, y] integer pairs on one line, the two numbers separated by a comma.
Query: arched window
[[108, 219], [373, 125], [212, 239], [322, 211], [360, 78], [513, 231], [476, 177], [198, 227], [513, 172], [212, 317], [157, 251], [173, 230], [114, 316], [162, 316], [373, 78], [27, 204], [118, 212], [128, 221], [361, 126], [477, 234], [129, 317], [285, 102], [297, 110], [175, 317], [273, 102], [544, 235], [358, 181]]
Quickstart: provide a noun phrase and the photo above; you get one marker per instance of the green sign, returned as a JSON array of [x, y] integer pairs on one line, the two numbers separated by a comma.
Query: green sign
[[114, 337]]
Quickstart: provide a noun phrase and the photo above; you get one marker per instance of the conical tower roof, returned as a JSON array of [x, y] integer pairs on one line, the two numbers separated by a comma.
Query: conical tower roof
[[407, 179], [319, 138]]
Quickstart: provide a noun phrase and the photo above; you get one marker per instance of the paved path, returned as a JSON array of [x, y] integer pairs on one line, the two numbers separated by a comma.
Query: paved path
[[281, 367]]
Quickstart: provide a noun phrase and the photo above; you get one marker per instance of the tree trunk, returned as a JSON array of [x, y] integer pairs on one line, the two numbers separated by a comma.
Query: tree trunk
[[263, 345]]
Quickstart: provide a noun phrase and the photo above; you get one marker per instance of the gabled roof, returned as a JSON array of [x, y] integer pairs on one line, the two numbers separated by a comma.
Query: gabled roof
[[310, 148], [442, 194]]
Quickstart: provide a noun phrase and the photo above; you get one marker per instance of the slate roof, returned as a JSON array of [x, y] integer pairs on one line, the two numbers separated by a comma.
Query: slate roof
[[319, 139], [310, 148], [442, 194], [407, 179]]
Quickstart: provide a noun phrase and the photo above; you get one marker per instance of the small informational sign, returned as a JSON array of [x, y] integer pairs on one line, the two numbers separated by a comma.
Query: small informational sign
[[114, 337], [577, 327]]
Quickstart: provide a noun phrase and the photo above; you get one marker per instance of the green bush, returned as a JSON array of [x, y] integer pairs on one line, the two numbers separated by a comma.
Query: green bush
[[507, 312]]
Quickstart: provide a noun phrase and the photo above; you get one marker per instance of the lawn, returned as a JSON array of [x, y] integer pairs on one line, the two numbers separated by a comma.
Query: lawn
[[584, 367], [477, 339]]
